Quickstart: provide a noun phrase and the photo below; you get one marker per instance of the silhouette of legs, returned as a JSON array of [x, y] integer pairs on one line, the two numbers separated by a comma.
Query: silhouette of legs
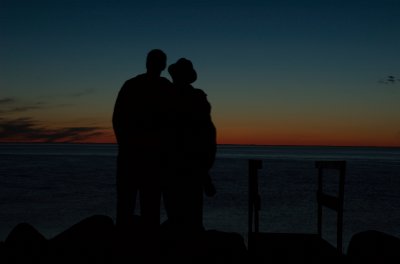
[[127, 190], [139, 236], [150, 197]]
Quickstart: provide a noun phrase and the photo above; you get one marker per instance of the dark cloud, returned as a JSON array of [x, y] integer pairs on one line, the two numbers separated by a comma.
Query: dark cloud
[[73, 134], [27, 129], [22, 108], [390, 79], [12, 105], [7, 100]]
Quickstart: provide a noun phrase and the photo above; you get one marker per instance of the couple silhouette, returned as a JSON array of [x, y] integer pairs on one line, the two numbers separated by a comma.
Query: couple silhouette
[[166, 147]]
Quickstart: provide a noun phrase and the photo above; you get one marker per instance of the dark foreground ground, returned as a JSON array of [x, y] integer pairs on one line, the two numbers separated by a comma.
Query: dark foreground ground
[[96, 240]]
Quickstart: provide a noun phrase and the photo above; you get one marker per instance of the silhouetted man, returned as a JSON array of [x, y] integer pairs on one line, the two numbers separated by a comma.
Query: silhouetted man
[[140, 122]]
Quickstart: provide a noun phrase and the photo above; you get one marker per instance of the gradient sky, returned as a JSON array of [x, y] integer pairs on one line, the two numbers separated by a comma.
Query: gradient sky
[[276, 72]]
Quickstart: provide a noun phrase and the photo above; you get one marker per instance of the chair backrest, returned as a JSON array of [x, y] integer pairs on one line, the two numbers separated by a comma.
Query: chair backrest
[[323, 199], [333, 202]]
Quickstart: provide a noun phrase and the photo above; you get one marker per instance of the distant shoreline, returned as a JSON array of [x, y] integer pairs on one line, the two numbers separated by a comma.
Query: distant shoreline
[[225, 145]]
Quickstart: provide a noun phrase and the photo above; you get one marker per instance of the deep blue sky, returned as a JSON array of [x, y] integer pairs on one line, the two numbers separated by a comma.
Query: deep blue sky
[[276, 72]]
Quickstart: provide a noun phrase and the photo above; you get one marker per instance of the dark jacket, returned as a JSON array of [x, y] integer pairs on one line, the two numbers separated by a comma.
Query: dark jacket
[[140, 118]]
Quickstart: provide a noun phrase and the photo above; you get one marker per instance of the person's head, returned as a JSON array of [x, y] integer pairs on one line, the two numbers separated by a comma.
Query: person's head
[[156, 62], [182, 72]]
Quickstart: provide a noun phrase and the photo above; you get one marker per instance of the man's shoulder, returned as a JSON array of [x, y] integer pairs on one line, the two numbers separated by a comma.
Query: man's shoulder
[[135, 82], [137, 78], [143, 84], [143, 78]]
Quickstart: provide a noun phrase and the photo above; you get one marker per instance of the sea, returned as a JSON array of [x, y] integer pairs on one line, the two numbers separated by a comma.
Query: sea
[[53, 186]]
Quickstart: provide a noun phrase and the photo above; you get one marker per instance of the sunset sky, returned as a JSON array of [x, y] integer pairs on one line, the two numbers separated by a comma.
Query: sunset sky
[[278, 72]]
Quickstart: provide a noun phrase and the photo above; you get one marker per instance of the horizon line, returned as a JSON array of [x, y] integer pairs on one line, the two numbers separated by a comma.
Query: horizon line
[[221, 144]]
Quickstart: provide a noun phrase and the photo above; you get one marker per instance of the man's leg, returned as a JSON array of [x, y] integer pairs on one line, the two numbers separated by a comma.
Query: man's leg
[[126, 194], [150, 198]]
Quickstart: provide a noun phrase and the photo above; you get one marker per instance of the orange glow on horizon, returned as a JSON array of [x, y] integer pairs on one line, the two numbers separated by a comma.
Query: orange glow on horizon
[[307, 136]]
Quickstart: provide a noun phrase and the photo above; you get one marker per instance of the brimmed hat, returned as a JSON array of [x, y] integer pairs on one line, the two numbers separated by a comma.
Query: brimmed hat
[[182, 71]]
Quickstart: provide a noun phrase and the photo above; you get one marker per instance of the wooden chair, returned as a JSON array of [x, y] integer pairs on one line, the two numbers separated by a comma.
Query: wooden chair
[[296, 247]]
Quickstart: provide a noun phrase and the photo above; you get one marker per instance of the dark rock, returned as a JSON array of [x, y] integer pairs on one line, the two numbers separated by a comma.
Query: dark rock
[[24, 244], [88, 241], [374, 247]]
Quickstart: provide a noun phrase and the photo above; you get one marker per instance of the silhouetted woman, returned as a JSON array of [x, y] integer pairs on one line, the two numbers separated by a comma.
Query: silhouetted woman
[[194, 152]]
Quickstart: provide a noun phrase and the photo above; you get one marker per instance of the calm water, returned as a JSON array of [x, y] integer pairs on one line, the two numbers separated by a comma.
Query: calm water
[[53, 186]]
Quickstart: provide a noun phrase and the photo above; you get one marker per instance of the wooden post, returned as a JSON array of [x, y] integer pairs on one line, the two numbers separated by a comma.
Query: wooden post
[[254, 198]]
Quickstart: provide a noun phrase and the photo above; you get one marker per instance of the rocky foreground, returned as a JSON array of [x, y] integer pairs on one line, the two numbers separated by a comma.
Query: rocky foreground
[[96, 240]]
